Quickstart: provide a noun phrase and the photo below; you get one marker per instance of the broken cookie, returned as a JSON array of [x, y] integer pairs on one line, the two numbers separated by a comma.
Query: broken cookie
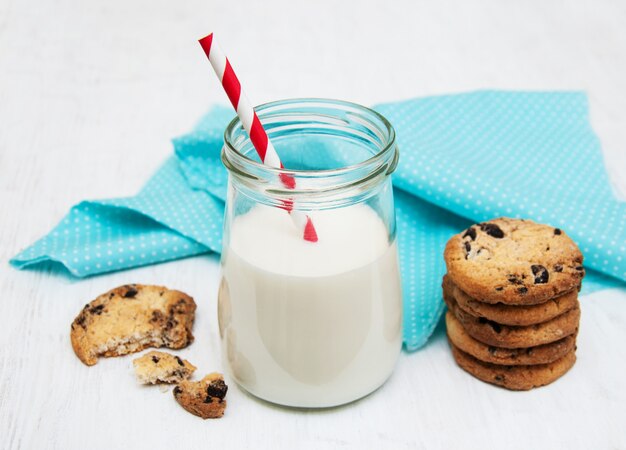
[[131, 318], [159, 367], [204, 398]]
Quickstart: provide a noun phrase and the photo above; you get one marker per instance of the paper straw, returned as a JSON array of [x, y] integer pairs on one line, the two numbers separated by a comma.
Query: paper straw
[[252, 125]]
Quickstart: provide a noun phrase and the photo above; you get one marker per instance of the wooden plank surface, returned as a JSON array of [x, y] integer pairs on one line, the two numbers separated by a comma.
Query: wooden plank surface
[[91, 93]]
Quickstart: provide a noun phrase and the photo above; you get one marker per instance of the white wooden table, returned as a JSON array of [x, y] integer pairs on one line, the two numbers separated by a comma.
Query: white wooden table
[[91, 92]]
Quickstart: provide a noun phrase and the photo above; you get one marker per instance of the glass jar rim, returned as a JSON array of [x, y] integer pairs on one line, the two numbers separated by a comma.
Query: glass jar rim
[[377, 159]]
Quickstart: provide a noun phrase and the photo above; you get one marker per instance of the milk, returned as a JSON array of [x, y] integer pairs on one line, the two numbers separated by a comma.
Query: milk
[[310, 324]]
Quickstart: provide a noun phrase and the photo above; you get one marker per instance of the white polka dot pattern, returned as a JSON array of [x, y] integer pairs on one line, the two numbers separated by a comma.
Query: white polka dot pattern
[[464, 158]]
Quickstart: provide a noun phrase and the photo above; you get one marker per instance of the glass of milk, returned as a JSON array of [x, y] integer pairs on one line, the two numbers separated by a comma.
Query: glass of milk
[[311, 324]]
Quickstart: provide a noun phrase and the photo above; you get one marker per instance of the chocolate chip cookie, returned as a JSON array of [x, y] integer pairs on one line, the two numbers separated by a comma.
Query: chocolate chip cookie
[[204, 398], [498, 335], [512, 314], [517, 378], [541, 354], [513, 261], [130, 318]]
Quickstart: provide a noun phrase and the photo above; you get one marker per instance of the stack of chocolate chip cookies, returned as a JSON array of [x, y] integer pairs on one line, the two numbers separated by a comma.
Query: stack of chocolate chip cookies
[[512, 294]]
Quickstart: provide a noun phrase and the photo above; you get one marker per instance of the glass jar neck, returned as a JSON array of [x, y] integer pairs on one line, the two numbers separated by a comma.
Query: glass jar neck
[[336, 152]]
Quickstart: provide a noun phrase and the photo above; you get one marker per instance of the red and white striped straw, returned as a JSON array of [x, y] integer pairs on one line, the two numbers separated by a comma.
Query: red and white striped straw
[[252, 125]]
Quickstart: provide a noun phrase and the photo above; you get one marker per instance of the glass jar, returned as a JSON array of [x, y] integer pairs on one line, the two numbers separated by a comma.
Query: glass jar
[[311, 324]]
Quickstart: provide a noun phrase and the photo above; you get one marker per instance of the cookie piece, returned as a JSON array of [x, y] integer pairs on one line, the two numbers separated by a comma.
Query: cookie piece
[[498, 335], [161, 367], [130, 318], [513, 261], [541, 354], [511, 314], [516, 378], [204, 398]]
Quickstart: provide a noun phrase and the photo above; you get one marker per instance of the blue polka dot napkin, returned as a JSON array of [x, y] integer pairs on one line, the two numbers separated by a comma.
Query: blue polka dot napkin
[[464, 158]]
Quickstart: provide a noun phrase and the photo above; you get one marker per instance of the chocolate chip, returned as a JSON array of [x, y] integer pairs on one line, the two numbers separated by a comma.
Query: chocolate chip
[[492, 350], [499, 288], [579, 268], [180, 306], [541, 273], [157, 316], [471, 232], [96, 309], [155, 359], [492, 230], [180, 361], [558, 268], [499, 378], [80, 320], [513, 279], [112, 294], [161, 293], [495, 326], [177, 390], [522, 290], [217, 389], [130, 292], [468, 247], [557, 231]]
